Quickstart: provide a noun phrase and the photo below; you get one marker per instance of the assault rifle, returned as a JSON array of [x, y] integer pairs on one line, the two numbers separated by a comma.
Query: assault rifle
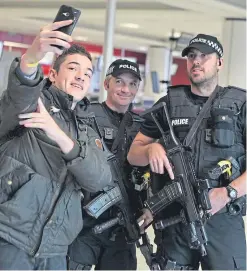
[[191, 192]]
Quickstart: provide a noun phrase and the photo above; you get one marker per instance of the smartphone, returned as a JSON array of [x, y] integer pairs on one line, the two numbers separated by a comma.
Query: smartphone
[[67, 13]]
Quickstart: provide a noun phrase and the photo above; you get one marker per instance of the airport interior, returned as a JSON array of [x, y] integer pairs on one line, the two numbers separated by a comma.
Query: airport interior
[[151, 33]]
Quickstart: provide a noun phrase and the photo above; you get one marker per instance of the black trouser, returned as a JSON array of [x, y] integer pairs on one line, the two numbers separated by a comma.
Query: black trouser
[[90, 249], [226, 249]]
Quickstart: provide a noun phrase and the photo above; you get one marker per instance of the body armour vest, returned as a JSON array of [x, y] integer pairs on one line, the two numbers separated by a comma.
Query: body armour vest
[[118, 139], [109, 131], [219, 135]]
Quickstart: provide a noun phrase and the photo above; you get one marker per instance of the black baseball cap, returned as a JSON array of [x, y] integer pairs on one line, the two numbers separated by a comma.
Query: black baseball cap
[[206, 44], [120, 66]]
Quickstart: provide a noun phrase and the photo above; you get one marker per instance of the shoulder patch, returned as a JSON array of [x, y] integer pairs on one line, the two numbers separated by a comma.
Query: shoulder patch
[[99, 143]]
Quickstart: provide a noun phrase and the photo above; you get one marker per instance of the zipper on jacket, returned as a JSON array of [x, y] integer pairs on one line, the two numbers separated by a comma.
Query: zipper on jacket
[[73, 117]]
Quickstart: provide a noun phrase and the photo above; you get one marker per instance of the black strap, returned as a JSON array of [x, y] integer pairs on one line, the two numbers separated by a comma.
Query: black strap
[[121, 131], [201, 115]]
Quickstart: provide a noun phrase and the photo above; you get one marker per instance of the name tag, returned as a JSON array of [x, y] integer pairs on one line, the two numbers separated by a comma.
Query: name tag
[[178, 122]]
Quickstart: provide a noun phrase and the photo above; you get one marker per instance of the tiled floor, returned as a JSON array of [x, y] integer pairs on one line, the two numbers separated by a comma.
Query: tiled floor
[[141, 263]]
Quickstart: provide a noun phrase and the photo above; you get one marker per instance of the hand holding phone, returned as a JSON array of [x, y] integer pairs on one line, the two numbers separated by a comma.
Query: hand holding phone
[[51, 38], [67, 13]]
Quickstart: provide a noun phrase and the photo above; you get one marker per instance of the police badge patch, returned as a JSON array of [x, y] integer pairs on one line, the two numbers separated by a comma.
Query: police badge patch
[[98, 143]]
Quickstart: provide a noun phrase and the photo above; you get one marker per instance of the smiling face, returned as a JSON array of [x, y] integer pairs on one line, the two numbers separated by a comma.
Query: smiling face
[[121, 91], [74, 75], [202, 68]]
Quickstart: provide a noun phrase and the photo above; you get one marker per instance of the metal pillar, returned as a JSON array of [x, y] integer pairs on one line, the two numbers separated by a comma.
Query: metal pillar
[[108, 44]]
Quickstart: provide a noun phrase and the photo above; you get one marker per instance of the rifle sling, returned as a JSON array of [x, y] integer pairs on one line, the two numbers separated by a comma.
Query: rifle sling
[[120, 133]]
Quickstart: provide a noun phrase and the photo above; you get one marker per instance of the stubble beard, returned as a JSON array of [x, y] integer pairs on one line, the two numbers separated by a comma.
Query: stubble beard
[[205, 85]]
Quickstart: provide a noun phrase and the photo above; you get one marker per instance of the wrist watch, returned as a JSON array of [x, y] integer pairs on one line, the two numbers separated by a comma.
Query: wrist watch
[[232, 193]]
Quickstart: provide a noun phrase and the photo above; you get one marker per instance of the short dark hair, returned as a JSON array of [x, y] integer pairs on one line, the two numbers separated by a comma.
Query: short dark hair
[[74, 49]]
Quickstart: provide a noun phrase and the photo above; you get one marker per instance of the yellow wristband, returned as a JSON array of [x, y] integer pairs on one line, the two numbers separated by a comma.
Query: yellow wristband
[[32, 65]]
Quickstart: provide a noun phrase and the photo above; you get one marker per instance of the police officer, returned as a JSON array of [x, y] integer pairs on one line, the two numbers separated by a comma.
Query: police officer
[[221, 134], [109, 250]]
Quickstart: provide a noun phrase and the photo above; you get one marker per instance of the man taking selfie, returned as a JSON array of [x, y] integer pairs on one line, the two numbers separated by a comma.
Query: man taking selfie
[[48, 154]]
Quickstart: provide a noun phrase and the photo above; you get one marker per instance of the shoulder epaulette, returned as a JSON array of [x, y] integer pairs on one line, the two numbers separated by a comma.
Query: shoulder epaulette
[[241, 89], [95, 103], [178, 86]]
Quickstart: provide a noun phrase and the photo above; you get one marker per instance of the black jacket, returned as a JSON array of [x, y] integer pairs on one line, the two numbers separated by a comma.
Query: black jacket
[[40, 200]]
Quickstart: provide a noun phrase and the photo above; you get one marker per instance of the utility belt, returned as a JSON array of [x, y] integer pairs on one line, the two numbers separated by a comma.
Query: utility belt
[[157, 261], [161, 262], [166, 264]]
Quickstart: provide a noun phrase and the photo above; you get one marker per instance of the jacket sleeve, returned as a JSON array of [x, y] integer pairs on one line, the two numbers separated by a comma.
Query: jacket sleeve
[[21, 96], [90, 166]]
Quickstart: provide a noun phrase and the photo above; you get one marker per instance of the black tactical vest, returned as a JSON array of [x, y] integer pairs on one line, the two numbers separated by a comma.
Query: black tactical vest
[[218, 136], [107, 128], [109, 131], [124, 137]]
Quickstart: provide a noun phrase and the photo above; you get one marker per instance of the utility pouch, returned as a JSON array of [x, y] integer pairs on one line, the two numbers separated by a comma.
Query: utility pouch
[[222, 133]]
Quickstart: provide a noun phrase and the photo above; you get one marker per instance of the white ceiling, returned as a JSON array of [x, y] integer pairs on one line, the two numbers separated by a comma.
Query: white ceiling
[[154, 19]]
